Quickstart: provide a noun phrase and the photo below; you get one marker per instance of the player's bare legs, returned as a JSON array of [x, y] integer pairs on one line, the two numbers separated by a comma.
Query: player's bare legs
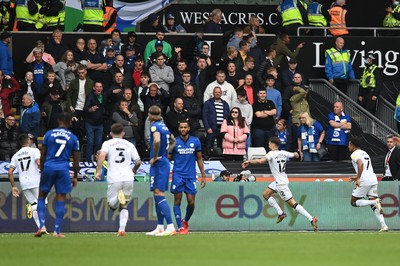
[[267, 194], [300, 209], [375, 204]]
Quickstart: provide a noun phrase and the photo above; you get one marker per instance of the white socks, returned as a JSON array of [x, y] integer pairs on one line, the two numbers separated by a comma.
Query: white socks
[[300, 209], [123, 219], [273, 203], [363, 202]]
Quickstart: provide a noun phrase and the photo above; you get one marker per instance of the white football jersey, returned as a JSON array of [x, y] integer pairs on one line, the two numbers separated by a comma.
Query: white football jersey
[[120, 154], [277, 164], [24, 161], [368, 177]]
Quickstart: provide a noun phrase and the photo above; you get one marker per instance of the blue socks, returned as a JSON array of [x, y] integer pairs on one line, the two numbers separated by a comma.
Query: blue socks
[[178, 216], [41, 209], [160, 217], [164, 208], [60, 210]]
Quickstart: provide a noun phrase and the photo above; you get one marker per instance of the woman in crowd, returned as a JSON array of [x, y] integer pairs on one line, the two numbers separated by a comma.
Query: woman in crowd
[[254, 26], [310, 135], [283, 133], [235, 132], [65, 69]]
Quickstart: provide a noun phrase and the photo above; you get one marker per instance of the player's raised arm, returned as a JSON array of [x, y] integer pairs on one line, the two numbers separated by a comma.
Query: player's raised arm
[[200, 163]]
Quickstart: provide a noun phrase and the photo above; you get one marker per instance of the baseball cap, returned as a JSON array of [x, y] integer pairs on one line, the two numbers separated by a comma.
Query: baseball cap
[[371, 56], [293, 61], [225, 173], [170, 16], [109, 48], [158, 43], [152, 17], [130, 48]]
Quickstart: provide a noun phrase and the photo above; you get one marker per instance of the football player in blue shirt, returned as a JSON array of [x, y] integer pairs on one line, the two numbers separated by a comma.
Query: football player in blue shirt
[[186, 153], [161, 143], [57, 147]]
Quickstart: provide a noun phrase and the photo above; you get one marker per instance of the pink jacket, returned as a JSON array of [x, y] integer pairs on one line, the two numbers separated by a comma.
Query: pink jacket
[[232, 132]]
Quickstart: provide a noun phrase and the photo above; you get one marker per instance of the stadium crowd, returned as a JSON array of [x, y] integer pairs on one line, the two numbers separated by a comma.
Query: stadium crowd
[[251, 94]]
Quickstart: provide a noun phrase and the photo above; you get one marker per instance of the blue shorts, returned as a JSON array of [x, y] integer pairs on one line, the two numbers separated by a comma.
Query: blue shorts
[[159, 175], [187, 185], [59, 178]]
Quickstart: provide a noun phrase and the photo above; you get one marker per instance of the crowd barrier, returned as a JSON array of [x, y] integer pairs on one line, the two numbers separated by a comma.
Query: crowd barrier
[[219, 206]]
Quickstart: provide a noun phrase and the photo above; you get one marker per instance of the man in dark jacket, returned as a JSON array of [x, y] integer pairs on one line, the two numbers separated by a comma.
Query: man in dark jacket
[[8, 138], [175, 115], [128, 119]]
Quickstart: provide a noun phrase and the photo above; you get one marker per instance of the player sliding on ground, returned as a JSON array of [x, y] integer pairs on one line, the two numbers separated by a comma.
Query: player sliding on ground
[[277, 163]]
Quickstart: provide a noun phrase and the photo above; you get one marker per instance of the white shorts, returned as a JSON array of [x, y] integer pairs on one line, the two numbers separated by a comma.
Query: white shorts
[[32, 195], [283, 190], [114, 188], [361, 192]]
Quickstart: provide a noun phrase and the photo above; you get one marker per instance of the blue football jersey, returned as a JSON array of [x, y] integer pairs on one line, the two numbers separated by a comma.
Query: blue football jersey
[[160, 127], [185, 156], [60, 144]]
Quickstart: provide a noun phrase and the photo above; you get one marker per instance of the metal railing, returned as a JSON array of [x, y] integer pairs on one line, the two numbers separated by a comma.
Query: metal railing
[[368, 123], [385, 109], [374, 30]]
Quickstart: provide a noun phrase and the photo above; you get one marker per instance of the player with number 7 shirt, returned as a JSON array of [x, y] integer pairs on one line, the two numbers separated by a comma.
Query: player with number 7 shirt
[[277, 163], [58, 146]]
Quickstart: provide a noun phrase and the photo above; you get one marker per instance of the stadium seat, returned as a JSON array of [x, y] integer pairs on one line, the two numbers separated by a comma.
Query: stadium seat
[[256, 153]]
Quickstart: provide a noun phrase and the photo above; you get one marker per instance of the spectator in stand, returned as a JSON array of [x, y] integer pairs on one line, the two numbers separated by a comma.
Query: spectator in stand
[[248, 87], [116, 41], [181, 67], [46, 56], [267, 63], [255, 51], [205, 51], [287, 74], [154, 95], [263, 120], [153, 57], [338, 67], [178, 89], [370, 85], [162, 74], [232, 76], [246, 109], [338, 129], [274, 95], [50, 83], [254, 26], [8, 86], [56, 47], [96, 65], [288, 93], [202, 77], [65, 69], [137, 91], [175, 115], [8, 138], [292, 14], [242, 54], [151, 46], [193, 105], [228, 92], [318, 16], [213, 23], [115, 93], [236, 38], [119, 67], [51, 108], [138, 70], [6, 61], [338, 19], [133, 107], [230, 56], [283, 51], [131, 41], [29, 86], [284, 134], [234, 130], [215, 110], [94, 111], [78, 90], [128, 119], [171, 26], [298, 100], [248, 68], [274, 72], [29, 121], [130, 57], [109, 57], [79, 49], [39, 68], [310, 135], [391, 165], [153, 24]]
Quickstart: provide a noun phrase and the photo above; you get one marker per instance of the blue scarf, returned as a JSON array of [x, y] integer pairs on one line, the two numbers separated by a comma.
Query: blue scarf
[[282, 136], [307, 138]]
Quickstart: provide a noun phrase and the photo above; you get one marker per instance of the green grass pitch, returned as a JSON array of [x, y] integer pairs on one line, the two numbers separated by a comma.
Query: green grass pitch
[[203, 248]]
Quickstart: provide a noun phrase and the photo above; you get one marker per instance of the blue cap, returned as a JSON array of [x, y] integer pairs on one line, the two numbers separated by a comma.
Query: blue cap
[[159, 43]]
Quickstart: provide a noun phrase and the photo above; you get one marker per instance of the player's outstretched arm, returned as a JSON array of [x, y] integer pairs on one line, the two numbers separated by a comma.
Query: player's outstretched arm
[[256, 161]]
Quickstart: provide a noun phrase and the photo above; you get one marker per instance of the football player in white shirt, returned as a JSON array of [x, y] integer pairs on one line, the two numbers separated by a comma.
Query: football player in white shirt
[[120, 153], [26, 161], [277, 163], [366, 182]]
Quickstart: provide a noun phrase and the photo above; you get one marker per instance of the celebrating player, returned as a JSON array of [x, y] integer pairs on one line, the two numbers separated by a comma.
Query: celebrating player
[[120, 153], [185, 154], [366, 182], [161, 143], [57, 146], [27, 161], [277, 163]]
